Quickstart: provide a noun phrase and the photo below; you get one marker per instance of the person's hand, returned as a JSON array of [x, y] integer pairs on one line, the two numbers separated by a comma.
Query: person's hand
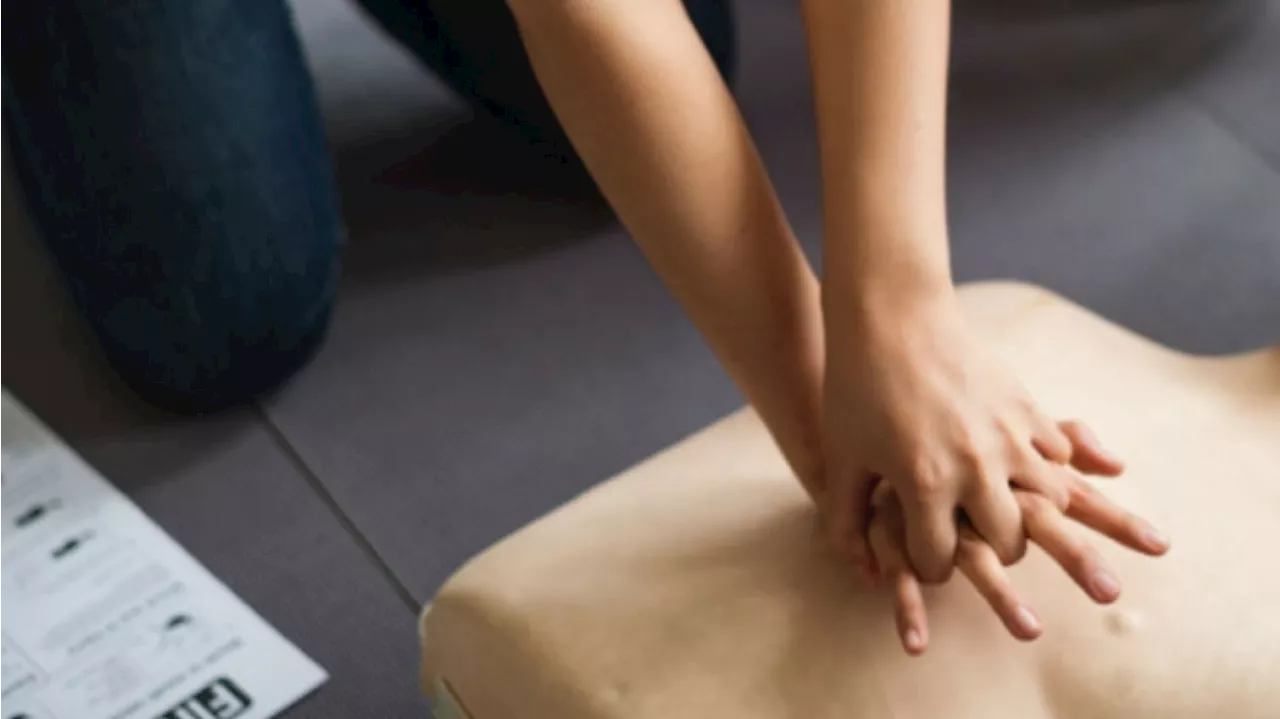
[[1046, 525], [913, 399]]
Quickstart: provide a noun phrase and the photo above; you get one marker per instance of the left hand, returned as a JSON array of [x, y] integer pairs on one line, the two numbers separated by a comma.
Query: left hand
[[1046, 525]]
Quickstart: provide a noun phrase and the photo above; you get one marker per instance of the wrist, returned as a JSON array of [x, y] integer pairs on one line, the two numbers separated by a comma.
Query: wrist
[[881, 262], [867, 305]]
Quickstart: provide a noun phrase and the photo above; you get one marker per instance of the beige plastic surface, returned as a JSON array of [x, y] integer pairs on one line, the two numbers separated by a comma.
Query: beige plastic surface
[[689, 587]]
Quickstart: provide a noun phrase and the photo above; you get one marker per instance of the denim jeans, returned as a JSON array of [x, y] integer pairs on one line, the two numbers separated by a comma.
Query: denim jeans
[[173, 159]]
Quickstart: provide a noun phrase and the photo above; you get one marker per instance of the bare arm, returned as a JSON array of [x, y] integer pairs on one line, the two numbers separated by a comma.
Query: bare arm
[[912, 396], [879, 72], [646, 109], [875, 376]]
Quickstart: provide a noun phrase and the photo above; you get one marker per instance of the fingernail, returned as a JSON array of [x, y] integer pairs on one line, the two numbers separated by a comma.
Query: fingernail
[[1028, 619], [1154, 538], [913, 640], [1105, 586]]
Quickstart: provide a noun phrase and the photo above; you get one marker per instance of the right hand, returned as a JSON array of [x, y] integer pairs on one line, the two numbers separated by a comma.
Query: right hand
[[913, 399]]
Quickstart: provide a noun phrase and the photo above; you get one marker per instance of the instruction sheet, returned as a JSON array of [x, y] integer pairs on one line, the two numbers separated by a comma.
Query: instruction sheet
[[106, 617]]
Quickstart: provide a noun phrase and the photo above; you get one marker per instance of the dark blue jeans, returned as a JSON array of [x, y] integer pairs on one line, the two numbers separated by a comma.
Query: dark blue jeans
[[174, 162]]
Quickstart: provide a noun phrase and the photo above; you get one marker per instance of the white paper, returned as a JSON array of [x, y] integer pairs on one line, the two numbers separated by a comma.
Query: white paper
[[106, 617]]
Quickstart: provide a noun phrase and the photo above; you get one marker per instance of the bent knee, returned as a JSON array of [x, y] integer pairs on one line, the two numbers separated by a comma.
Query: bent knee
[[199, 347]]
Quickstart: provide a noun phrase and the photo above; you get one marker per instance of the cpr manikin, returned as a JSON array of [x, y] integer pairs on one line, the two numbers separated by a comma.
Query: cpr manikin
[[691, 587]]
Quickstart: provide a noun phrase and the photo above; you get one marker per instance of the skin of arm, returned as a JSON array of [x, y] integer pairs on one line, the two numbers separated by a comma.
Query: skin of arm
[[646, 109], [874, 375], [911, 396], [880, 77]]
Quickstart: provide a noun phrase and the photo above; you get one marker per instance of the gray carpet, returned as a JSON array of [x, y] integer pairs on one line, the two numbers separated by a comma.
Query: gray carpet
[[500, 345]]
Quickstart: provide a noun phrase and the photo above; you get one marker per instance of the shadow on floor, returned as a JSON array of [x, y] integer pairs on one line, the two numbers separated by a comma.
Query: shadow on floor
[[455, 194], [459, 192]]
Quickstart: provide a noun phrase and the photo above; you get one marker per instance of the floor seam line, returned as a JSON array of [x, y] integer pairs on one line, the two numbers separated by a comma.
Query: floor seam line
[[295, 458], [1210, 113]]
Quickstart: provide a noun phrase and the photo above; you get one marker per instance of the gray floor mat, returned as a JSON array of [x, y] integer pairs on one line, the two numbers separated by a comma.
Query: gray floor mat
[[497, 349], [1134, 171], [223, 488], [1241, 87]]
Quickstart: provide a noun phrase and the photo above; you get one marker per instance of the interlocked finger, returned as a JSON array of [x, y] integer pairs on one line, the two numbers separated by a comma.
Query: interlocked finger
[[1092, 508], [887, 547], [978, 561], [1051, 529]]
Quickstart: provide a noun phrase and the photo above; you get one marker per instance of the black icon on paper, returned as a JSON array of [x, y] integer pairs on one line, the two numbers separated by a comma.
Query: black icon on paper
[[30, 516], [177, 621], [35, 513], [71, 545]]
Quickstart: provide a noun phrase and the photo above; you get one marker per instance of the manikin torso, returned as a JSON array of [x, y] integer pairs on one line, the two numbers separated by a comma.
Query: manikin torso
[[690, 587]]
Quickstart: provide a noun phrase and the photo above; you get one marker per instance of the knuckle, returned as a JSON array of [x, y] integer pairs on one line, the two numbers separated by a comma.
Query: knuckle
[[1084, 490], [930, 487], [1071, 431], [1056, 498], [926, 474], [935, 567], [969, 551], [1011, 431], [1056, 437], [970, 457], [1078, 557], [1027, 461], [1010, 552], [1035, 507], [966, 446], [1081, 492]]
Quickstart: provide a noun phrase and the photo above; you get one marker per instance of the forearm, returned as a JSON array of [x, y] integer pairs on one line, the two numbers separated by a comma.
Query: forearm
[[879, 70], [646, 109]]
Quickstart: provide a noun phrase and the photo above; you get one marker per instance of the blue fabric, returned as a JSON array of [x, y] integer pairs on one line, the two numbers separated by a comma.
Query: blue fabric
[[173, 159]]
